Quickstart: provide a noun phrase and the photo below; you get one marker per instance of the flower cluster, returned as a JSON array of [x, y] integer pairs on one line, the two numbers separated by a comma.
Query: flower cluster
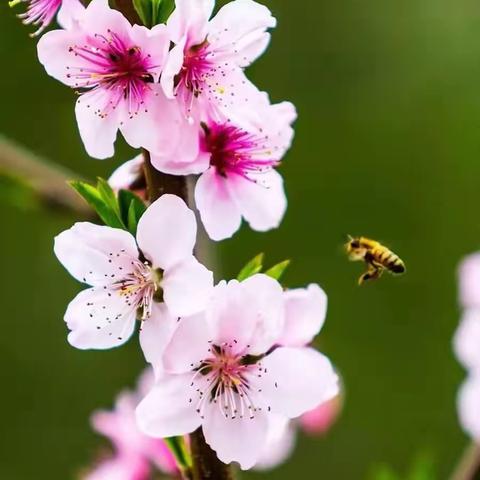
[[466, 345], [232, 358], [192, 106]]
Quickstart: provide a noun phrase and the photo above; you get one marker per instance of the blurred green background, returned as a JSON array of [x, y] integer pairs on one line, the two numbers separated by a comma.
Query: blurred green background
[[387, 145]]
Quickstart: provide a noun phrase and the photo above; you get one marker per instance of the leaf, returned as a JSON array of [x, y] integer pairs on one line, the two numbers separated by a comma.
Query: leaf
[[153, 12], [107, 194], [254, 266], [97, 201], [278, 270], [180, 451], [131, 209]]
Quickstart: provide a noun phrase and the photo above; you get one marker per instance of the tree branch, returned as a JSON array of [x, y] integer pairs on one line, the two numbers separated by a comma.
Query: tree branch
[[47, 181], [469, 466]]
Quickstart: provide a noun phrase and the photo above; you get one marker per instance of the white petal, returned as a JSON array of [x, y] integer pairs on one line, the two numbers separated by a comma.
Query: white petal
[[166, 411], [95, 254], [235, 440], [306, 309], [189, 345], [190, 19], [468, 406], [219, 213], [127, 174], [98, 133], [466, 341], [469, 281], [98, 319], [155, 334], [167, 231], [69, 13], [261, 200], [246, 40], [297, 380]]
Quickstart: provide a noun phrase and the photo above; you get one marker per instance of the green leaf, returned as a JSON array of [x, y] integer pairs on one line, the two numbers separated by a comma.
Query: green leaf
[[131, 209], [100, 202], [179, 450], [153, 12], [278, 270], [107, 194], [254, 266]]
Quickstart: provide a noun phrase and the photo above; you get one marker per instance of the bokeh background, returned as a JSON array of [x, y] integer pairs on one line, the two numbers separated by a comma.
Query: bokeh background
[[387, 145]]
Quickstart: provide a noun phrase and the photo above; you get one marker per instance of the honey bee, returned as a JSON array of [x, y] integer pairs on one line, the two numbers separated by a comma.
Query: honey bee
[[377, 257]]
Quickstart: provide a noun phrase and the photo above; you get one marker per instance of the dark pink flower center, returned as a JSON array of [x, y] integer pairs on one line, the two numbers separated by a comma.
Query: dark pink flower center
[[117, 70], [223, 378], [39, 13], [236, 151]]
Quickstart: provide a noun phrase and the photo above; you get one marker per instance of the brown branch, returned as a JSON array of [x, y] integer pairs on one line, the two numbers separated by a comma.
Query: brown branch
[[469, 466], [46, 180]]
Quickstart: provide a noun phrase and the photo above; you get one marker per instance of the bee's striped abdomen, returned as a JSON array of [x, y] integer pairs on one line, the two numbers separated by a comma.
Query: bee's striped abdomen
[[388, 260]]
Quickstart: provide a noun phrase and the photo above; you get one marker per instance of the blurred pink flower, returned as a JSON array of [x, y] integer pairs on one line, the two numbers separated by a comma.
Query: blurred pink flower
[[466, 341], [126, 278], [134, 452], [226, 371], [469, 406], [319, 420], [41, 12], [116, 67], [469, 281]]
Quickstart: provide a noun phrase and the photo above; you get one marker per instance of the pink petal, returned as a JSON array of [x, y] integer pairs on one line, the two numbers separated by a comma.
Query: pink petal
[[127, 174], [172, 67], [99, 319], [166, 410], [120, 468], [155, 334], [306, 309], [297, 380], [468, 407], [189, 345], [469, 280], [219, 213], [466, 341], [261, 199], [167, 231], [246, 40], [187, 287], [235, 440], [70, 12], [279, 445], [99, 18], [98, 133], [319, 420], [190, 19], [95, 254], [250, 313]]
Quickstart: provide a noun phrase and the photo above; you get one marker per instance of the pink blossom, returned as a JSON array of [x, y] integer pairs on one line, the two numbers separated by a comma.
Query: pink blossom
[[129, 176], [468, 406], [225, 370], [134, 452], [469, 281], [239, 177], [41, 12], [127, 279], [204, 70], [115, 66], [319, 420], [467, 340]]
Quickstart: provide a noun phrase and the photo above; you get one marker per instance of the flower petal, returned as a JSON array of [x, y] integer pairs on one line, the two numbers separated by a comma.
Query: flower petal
[[127, 174], [99, 319], [98, 132], [187, 287], [235, 439], [69, 13], [306, 309], [297, 380], [219, 213], [167, 231], [246, 40], [190, 19], [261, 199], [95, 254], [466, 341], [155, 334], [469, 280], [468, 402], [190, 344], [166, 411], [172, 67]]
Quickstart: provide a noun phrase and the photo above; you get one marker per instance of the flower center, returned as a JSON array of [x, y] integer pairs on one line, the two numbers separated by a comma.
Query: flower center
[[115, 70], [234, 150], [140, 288], [39, 12], [223, 378]]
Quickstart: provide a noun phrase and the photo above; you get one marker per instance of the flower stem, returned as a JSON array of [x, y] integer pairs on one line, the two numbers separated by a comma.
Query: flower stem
[[469, 466]]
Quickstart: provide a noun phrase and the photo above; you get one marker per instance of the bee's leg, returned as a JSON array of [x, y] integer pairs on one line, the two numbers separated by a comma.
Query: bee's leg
[[372, 273]]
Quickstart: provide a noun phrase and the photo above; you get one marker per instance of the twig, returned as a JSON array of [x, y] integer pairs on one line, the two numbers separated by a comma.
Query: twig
[[469, 466], [47, 181]]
